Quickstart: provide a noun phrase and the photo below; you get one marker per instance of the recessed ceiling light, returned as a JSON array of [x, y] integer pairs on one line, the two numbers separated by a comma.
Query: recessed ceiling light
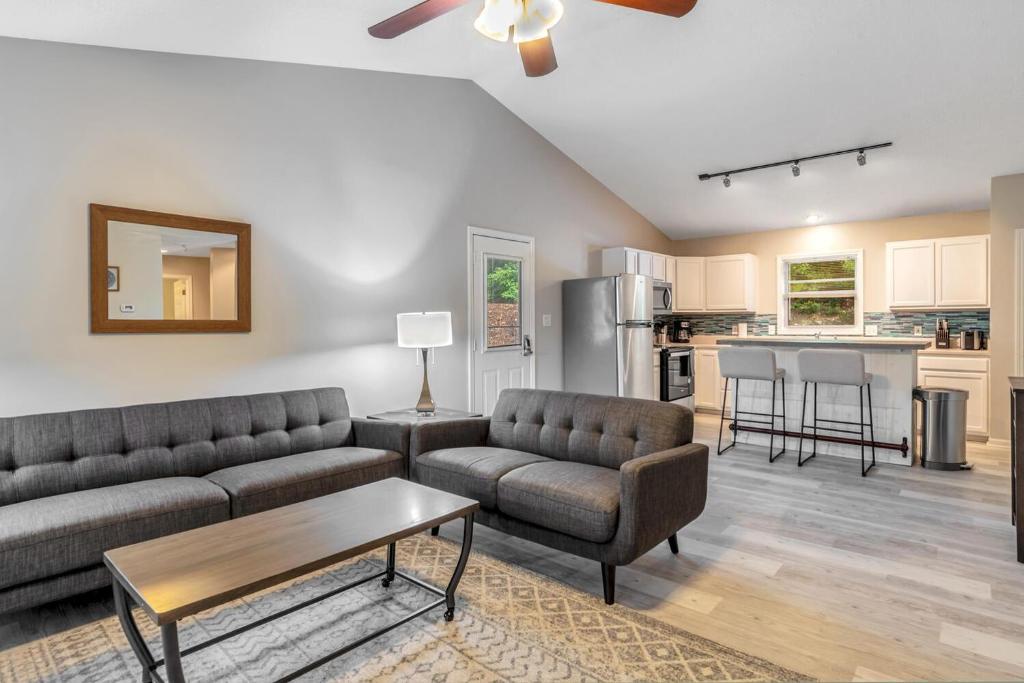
[[813, 218]]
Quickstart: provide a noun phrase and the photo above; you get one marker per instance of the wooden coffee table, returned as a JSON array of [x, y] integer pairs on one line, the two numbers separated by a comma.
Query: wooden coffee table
[[177, 576]]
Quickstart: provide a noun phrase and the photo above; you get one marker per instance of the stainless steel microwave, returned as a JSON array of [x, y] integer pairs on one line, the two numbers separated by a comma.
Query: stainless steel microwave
[[662, 297]]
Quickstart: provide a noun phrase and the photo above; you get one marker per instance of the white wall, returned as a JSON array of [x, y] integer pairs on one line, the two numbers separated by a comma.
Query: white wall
[[359, 186], [135, 250]]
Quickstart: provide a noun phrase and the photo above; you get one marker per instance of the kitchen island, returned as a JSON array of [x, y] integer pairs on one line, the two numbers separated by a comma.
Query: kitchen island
[[892, 362]]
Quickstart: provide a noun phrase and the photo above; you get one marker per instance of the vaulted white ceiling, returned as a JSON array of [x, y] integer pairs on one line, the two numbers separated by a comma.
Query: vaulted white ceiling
[[645, 103]]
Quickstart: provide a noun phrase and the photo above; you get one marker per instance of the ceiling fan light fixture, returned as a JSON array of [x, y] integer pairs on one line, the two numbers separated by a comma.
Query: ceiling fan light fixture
[[496, 19], [526, 20], [536, 18]]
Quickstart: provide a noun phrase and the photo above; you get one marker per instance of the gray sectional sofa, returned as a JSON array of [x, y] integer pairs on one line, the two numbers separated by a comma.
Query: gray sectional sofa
[[75, 484], [600, 477]]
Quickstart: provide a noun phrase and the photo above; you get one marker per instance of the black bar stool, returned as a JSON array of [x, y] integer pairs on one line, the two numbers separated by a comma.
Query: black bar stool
[[843, 368], [751, 363]]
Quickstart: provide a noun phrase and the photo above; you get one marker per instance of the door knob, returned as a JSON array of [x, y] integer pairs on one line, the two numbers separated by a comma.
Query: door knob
[[527, 345]]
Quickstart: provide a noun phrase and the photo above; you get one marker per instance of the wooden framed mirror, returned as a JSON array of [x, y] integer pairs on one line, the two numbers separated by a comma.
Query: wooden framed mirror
[[156, 272]]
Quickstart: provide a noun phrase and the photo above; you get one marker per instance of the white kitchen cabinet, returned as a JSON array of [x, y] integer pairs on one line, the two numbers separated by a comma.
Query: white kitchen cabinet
[[659, 269], [970, 374], [961, 272], [645, 263], [730, 283], [952, 272], [708, 384], [910, 273], [617, 260], [688, 292]]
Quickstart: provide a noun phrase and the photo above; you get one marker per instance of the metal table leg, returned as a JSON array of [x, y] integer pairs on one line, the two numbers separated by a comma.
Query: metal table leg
[[449, 593], [131, 632], [389, 573], [172, 653]]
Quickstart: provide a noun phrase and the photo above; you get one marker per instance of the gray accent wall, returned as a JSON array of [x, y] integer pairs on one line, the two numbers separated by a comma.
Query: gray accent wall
[[359, 186]]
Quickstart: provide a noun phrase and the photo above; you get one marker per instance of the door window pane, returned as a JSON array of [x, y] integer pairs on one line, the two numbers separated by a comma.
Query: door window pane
[[504, 278]]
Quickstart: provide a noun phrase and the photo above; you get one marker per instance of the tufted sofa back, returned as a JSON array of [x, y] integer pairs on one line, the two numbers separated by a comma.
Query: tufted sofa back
[[594, 430], [44, 455]]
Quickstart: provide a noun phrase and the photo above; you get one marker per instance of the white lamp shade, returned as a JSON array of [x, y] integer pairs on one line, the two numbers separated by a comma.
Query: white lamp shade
[[424, 330]]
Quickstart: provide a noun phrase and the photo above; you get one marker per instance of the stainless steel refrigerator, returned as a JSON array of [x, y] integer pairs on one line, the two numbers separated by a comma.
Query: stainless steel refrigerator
[[608, 336]]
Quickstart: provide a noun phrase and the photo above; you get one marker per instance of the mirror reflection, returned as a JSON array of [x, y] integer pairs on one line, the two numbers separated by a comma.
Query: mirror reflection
[[164, 273]]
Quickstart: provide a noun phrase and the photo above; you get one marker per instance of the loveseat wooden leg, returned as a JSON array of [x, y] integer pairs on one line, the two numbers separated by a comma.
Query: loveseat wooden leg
[[673, 544], [608, 578], [435, 530]]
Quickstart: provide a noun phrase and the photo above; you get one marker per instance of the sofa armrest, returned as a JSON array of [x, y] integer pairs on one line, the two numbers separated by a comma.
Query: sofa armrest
[[432, 436], [388, 436], [660, 494]]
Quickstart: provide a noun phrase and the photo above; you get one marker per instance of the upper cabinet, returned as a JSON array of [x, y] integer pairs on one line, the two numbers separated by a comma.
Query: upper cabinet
[[625, 260], [962, 272], [910, 273], [699, 283], [688, 292], [730, 283], [952, 272]]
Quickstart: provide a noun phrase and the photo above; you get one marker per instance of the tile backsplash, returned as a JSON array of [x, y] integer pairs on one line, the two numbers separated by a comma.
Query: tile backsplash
[[890, 324]]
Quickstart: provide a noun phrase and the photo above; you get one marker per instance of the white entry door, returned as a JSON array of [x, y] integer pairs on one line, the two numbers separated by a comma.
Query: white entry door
[[501, 315]]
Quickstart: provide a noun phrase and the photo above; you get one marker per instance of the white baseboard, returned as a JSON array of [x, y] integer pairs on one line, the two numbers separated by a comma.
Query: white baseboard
[[999, 443]]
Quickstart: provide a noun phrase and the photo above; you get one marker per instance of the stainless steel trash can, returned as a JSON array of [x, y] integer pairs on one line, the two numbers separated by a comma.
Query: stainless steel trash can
[[940, 425]]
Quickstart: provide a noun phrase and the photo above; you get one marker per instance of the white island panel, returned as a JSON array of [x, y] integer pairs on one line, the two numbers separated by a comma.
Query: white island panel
[[894, 370]]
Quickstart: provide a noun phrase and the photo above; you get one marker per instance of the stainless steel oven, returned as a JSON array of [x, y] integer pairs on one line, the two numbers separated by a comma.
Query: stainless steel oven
[[677, 374]]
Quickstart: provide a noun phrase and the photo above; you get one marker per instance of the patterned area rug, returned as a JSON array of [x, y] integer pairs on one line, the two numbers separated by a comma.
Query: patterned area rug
[[510, 625]]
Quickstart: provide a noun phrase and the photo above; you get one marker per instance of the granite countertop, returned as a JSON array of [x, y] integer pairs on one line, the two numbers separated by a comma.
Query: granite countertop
[[708, 341], [829, 342]]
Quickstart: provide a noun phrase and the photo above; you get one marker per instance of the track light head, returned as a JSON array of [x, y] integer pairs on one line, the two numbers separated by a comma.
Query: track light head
[[727, 181], [862, 158], [796, 169]]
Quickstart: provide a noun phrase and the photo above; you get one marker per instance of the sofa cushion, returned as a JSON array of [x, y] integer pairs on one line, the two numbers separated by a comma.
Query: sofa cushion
[[49, 536], [595, 430], [270, 484], [572, 498], [472, 472]]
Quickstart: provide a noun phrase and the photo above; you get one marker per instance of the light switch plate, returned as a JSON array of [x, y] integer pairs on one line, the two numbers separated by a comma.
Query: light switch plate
[[545, 320], [918, 330], [772, 330], [871, 330]]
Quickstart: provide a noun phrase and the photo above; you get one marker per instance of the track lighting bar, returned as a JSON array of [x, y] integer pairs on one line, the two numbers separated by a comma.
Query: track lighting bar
[[794, 164]]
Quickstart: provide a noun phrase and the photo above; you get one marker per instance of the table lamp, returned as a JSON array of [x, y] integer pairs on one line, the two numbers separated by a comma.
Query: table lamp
[[424, 331]]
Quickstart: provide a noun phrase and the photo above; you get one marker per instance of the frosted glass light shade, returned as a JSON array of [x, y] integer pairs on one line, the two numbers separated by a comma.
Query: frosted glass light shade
[[530, 18], [424, 330]]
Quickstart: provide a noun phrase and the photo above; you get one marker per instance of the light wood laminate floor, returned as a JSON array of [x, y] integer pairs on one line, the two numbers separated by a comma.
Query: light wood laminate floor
[[908, 574]]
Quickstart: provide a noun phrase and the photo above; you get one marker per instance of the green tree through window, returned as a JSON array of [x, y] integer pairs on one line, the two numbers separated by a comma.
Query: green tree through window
[[503, 282]]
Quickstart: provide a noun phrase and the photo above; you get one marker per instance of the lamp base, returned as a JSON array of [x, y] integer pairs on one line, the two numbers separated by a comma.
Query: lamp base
[[425, 407]]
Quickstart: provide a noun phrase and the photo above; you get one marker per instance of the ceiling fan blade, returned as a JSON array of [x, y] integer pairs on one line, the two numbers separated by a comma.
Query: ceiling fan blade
[[673, 8], [538, 57], [413, 17]]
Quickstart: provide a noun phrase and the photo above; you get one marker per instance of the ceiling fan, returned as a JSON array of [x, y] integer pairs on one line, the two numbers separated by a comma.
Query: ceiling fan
[[526, 21]]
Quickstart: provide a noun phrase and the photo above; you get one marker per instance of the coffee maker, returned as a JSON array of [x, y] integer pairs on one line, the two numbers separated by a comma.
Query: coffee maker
[[681, 332]]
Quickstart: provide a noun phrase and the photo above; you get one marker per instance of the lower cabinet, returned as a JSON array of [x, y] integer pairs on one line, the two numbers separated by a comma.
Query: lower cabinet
[[708, 384], [969, 374]]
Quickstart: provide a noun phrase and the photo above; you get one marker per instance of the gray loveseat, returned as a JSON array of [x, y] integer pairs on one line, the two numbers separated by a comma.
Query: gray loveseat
[[73, 485], [600, 477]]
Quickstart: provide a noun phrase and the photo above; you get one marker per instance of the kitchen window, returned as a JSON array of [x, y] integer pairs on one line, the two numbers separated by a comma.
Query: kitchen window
[[821, 293]]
